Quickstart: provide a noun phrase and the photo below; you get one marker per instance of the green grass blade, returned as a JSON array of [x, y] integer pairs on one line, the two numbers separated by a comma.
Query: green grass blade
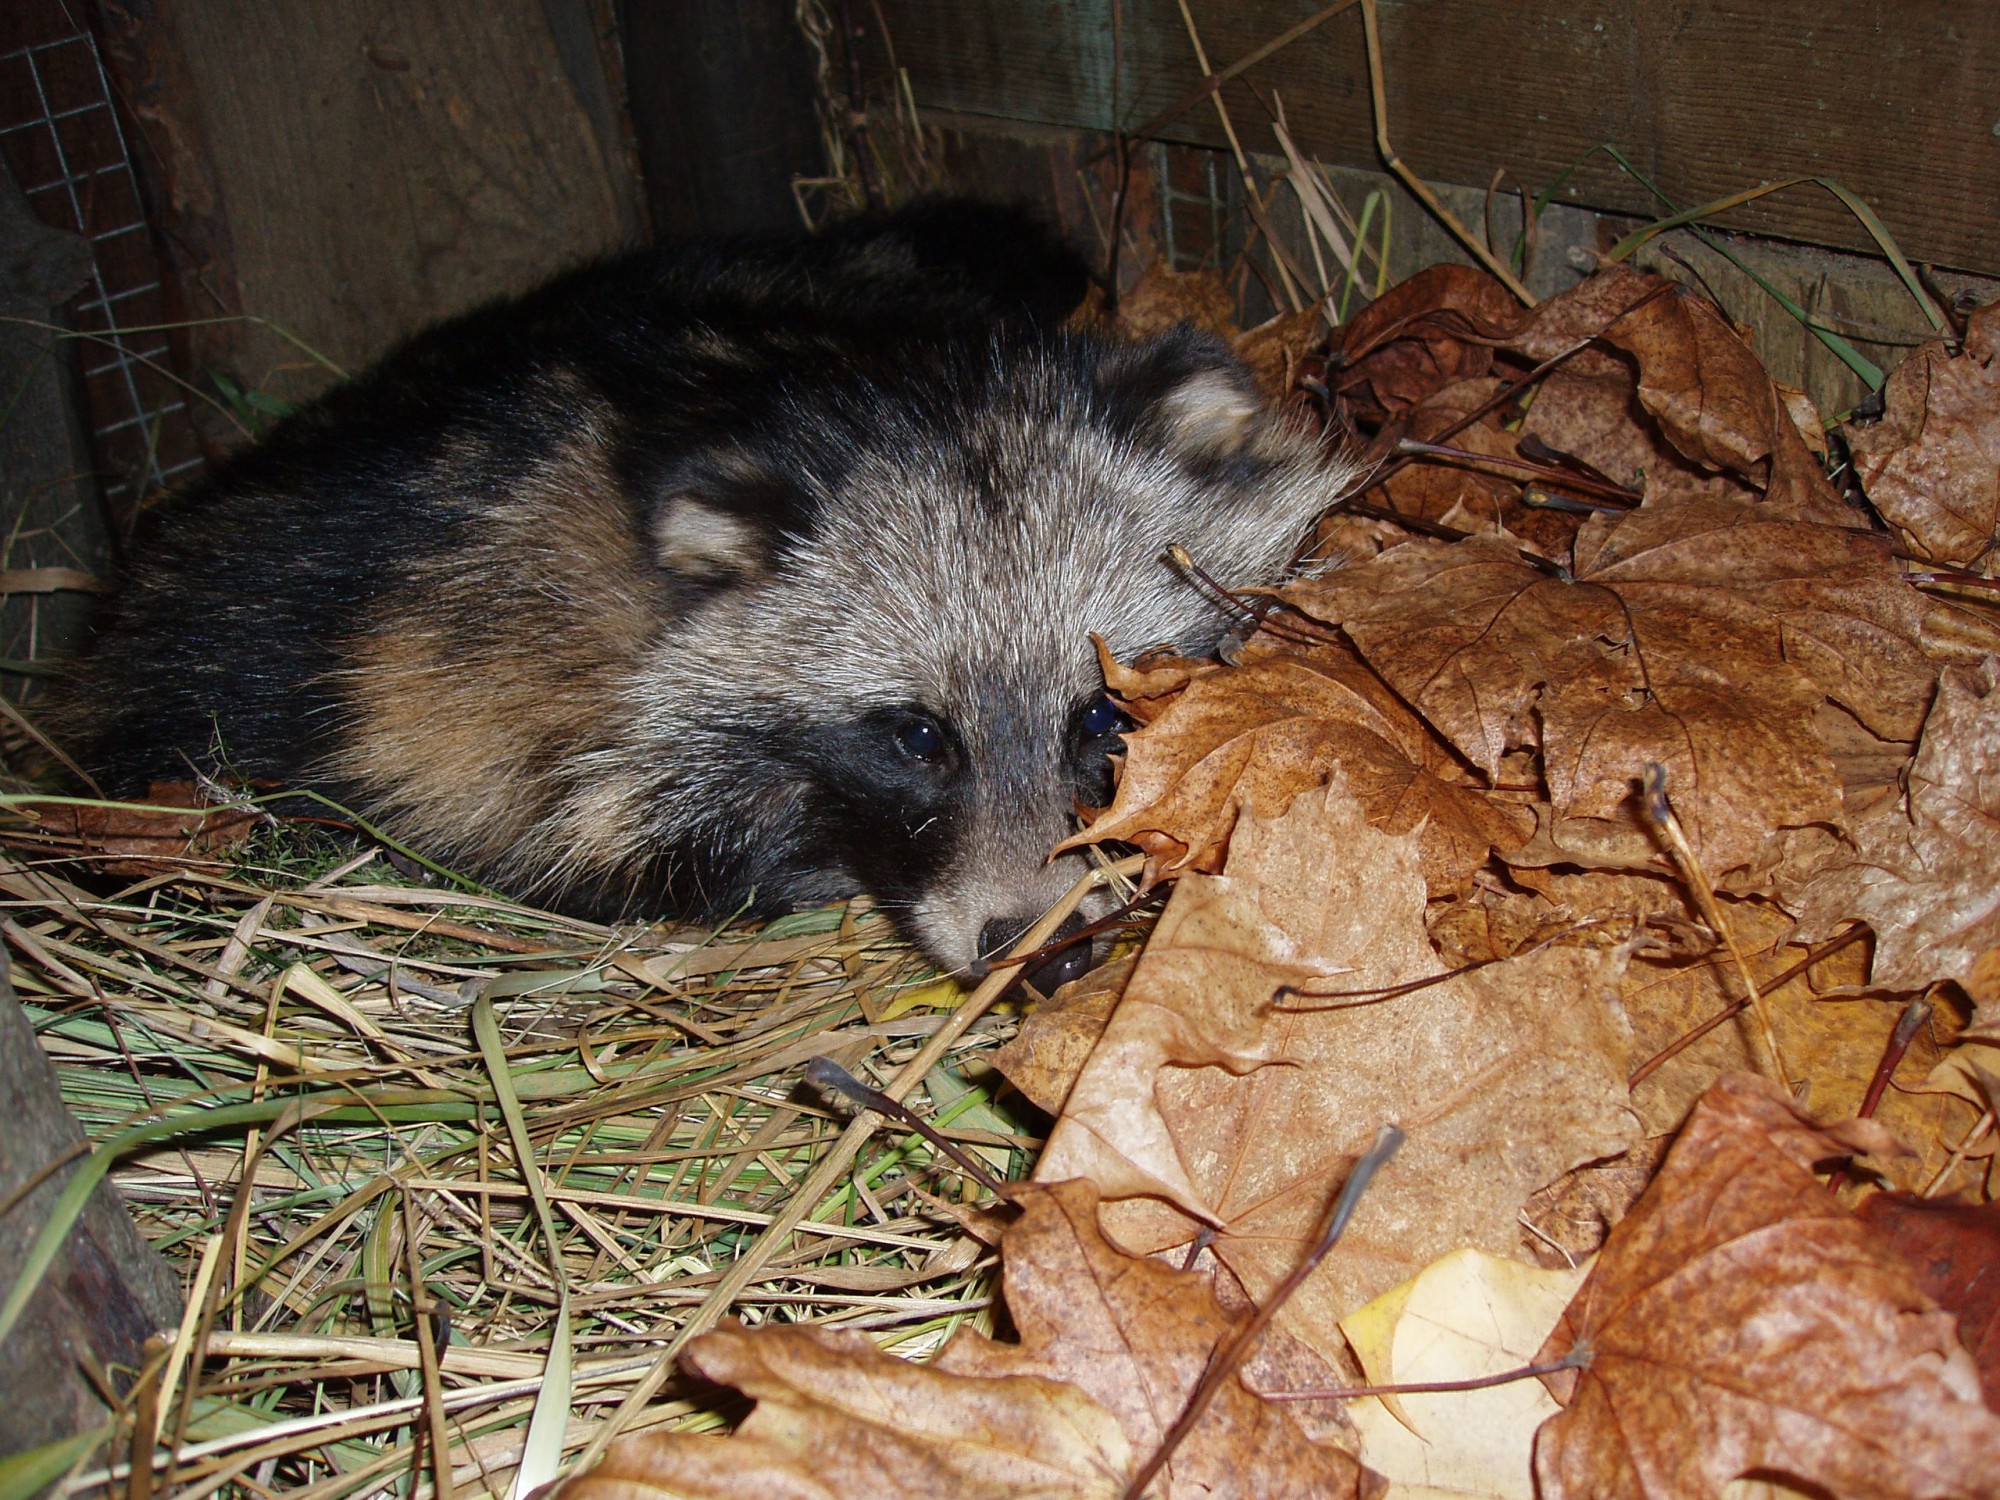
[[26, 1474], [541, 1450]]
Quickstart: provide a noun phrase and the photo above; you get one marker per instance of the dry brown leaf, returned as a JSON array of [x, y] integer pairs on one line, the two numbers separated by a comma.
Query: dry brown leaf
[[1111, 1348], [1410, 341], [1202, 1106], [1136, 1336], [141, 840], [1054, 1042], [1931, 466], [1696, 378], [1842, 613], [1928, 880], [1702, 635], [1224, 741], [837, 1418], [1594, 306], [1588, 408], [1741, 1321]]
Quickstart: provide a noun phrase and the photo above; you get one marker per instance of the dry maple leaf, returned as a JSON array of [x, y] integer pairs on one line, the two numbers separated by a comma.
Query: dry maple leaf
[[837, 1418], [1702, 635], [1931, 466], [1927, 881], [1111, 1348], [1696, 378], [1203, 1106], [1740, 1321], [1219, 742], [1136, 1335], [1410, 341], [1952, 1248]]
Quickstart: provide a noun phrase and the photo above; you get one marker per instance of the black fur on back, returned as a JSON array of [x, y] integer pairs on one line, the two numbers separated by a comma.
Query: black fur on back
[[241, 591]]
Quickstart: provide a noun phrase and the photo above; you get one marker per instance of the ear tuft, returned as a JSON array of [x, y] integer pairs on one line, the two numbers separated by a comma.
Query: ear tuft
[[720, 514], [1211, 414], [703, 542], [1185, 390]]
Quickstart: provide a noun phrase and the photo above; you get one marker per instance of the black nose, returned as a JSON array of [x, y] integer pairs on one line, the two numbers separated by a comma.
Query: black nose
[[1047, 973]]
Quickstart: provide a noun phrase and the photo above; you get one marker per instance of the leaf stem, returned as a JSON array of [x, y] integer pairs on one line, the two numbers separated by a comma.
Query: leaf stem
[[1229, 1357]]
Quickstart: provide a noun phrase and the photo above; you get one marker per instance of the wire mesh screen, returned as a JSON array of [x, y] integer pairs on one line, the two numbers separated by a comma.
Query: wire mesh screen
[[69, 153]]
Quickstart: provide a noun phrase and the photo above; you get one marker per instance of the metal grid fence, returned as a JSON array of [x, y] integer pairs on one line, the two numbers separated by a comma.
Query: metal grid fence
[[68, 150]]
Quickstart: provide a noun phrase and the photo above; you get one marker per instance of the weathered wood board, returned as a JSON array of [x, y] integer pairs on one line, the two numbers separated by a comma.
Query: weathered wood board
[[351, 173], [1899, 100]]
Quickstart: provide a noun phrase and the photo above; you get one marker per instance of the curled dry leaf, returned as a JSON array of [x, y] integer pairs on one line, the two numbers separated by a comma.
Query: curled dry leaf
[[1111, 1348], [1928, 880], [1741, 1321], [1203, 1106], [838, 1418], [1696, 378], [1702, 635], [1050, 1049], [140, 840], [1219, 742], [1931, 466], [1411, 340]]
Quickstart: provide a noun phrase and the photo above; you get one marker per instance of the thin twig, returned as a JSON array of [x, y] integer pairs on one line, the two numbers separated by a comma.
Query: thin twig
[[1659, 815], [825, 1073], [1776, 982], [1578, 1358], [1378, 94], [1224, 1363]]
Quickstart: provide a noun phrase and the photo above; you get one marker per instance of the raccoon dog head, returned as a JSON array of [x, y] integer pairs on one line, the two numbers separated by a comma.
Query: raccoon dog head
[[890, 682]]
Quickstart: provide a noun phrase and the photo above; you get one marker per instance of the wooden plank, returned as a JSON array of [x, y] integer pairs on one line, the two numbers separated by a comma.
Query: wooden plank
[[1897, 99], [722, 99], [106, 1291], [353, 173]]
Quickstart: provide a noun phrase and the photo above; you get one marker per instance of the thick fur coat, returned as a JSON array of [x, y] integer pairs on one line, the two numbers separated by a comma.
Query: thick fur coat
[[761, 572]]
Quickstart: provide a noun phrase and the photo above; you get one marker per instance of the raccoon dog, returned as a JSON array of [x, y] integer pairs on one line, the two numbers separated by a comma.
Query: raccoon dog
[[759, 572]]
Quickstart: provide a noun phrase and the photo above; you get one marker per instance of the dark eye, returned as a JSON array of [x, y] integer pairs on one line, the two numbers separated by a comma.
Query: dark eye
[[1102, 718], [921, 740]]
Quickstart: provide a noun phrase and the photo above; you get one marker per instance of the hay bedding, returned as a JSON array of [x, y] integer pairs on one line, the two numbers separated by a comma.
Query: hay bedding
[[328, 1168]]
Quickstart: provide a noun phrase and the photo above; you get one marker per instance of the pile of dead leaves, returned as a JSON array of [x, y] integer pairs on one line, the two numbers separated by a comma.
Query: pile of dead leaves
[[1419, 882]]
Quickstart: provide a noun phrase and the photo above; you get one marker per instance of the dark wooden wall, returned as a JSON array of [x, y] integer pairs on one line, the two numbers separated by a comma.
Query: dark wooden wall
[[348, 174], [722, 104], [1897, 99]]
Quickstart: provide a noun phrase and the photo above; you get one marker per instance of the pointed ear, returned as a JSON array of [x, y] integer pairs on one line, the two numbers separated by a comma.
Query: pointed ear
[[1186, 391], [699, 540], [720, 515]]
